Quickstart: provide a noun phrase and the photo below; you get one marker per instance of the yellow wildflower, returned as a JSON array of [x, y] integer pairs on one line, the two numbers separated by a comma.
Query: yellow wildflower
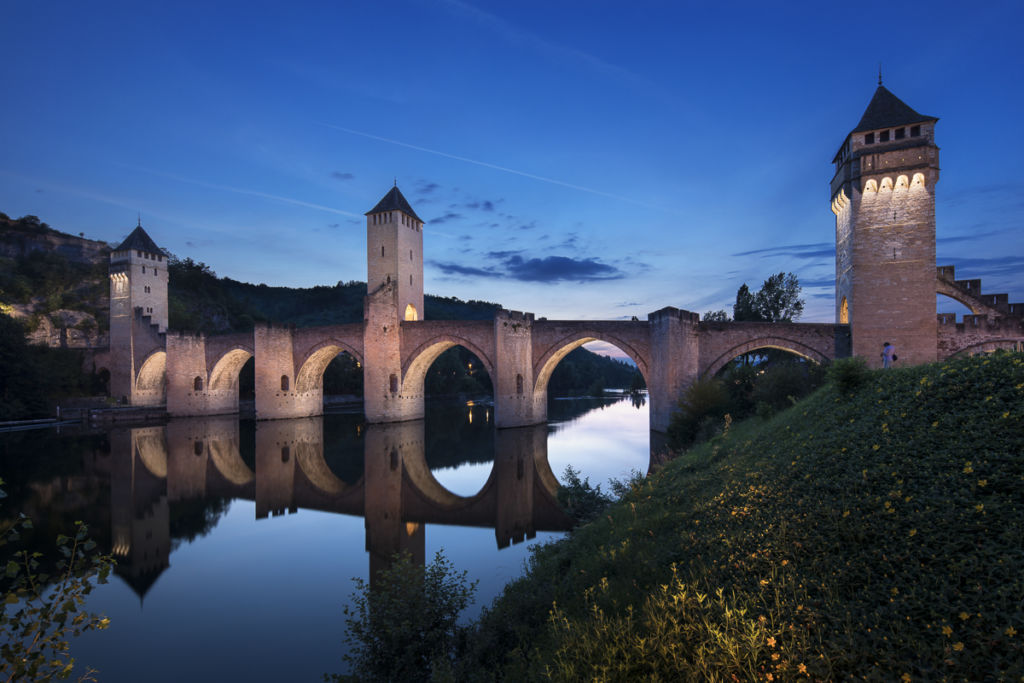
[[964, 616], [771, 641], [983, 483], [1010, 631], [947, 631], [913, 532], [802, 668], [905, 678], [979, 507], [958, 646]]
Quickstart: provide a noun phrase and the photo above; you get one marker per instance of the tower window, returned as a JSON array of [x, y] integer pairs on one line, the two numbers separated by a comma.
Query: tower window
[[883, 136], [138, 253], [143, 270], [410, 279], [869, 139], [393, 381], [900, 133], [382, 251], [410, 254], [915, 131], [284, 383], [197, 384], [154, 271]]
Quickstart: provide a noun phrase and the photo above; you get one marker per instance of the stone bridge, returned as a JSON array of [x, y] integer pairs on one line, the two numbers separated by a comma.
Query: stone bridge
[[670, 349]]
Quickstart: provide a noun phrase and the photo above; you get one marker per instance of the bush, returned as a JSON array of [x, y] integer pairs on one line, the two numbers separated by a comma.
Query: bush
[[848, 374], [405, 628], [579, 499], [703, 403]]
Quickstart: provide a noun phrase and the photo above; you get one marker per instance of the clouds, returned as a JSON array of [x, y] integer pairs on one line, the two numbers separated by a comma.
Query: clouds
[[339, 175], [511, 265], [806, 251]]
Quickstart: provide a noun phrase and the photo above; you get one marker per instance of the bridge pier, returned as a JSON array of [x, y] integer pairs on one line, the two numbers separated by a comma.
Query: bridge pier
[[514, 400], [675, 357], [276, 395]]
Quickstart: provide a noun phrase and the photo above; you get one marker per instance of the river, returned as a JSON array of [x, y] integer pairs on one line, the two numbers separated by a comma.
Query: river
[[237, 542]]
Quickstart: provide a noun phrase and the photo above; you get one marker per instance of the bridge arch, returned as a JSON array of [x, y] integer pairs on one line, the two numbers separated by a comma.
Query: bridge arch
[[561, 348], [955, 293], [151, 384], [766, 342], [151, 447], [988, 346], [224, 375], [311, 373], [418, 361]]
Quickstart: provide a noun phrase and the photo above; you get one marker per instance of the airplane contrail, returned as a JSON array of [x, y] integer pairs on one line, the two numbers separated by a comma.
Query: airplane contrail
[[496, 167]]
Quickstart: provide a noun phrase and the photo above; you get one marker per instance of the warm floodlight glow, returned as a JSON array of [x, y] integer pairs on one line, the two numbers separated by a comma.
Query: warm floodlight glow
[[410, 313]]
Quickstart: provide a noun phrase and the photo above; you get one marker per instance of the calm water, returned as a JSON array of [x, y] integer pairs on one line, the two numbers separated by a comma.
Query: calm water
[[237, 541]]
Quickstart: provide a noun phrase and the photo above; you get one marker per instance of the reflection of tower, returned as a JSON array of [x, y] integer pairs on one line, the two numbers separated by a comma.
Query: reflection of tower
[[386, 448], [884, 202], [394, 283], [138, 287], [140, 516]]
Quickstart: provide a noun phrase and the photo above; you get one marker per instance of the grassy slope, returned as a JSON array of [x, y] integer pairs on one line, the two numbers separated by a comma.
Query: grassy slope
[[877, 535]]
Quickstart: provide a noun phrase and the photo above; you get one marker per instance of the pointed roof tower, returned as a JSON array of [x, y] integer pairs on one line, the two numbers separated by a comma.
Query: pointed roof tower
[[394, 201], [139, 241], [888, 111]]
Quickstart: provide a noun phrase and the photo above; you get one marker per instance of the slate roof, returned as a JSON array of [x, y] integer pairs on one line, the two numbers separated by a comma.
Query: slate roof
[[394, 201], [139, 241], [888, 111]]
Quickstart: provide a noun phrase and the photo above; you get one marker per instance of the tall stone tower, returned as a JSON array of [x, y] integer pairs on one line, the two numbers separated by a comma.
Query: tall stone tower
[[138, 296], [394, 293], [394, 252], [883, 196]]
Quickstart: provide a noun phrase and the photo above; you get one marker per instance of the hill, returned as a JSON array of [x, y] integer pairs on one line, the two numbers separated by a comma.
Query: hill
[[873, 533]]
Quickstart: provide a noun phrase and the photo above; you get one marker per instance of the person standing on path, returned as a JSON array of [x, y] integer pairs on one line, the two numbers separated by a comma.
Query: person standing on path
[[888, 355]]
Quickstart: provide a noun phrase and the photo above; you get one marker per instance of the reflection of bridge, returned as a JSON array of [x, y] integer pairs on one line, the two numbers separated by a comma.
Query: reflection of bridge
[[195, 459], [886, 283]]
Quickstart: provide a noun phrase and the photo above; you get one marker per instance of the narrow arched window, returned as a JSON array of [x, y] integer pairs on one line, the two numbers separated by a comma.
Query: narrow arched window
[[394, 384], [197, 384], [197, 448], [410, 279], [285, 453], [519, 384], [382, 251], [284, 383]]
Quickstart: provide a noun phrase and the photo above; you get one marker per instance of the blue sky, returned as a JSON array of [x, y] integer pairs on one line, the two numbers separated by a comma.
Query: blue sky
[[574, 159]]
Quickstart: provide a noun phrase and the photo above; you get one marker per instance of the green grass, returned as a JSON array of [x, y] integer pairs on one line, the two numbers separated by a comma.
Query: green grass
[[875, 535]]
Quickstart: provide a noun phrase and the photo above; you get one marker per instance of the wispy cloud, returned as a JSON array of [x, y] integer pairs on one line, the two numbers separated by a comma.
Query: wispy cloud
[[245, 191], [338, 175], [808, 251], [496, 167]]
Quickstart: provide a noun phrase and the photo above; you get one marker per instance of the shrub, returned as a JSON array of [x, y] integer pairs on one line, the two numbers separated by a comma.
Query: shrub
[[848, 374], [405, 628], [579, 499], [702, 404]]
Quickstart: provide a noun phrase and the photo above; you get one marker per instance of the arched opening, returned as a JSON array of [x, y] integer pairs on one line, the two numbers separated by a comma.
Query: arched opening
[[336, 373], [285, 383], [844, 312], [454, 378], [597, 409], [948, 306], [410, 313], [151, 385], [760, 377], [232, 384], [197, 384]]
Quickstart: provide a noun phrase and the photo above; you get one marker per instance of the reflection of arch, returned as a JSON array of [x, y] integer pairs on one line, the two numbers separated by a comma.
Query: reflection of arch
[[152, 452], [310, 458], [225, 372], [420, 359], [560, 349], [410, 312], [796, 347], [422, 478], [153, 374], [311, 375], [228, 461], [844, 312]]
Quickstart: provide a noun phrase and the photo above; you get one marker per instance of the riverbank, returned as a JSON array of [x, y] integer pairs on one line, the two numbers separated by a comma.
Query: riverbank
[[874, 533]]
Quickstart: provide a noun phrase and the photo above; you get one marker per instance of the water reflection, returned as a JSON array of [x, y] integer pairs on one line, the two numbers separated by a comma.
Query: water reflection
[[397, 493], [332, 498]]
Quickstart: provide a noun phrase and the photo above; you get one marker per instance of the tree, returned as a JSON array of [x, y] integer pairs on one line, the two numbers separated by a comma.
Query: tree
[[778, 301], [719, 316]]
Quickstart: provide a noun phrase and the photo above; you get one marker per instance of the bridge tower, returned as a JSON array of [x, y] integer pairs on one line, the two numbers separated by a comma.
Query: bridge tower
[[883, 197], [138, 308], [394, 293]]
